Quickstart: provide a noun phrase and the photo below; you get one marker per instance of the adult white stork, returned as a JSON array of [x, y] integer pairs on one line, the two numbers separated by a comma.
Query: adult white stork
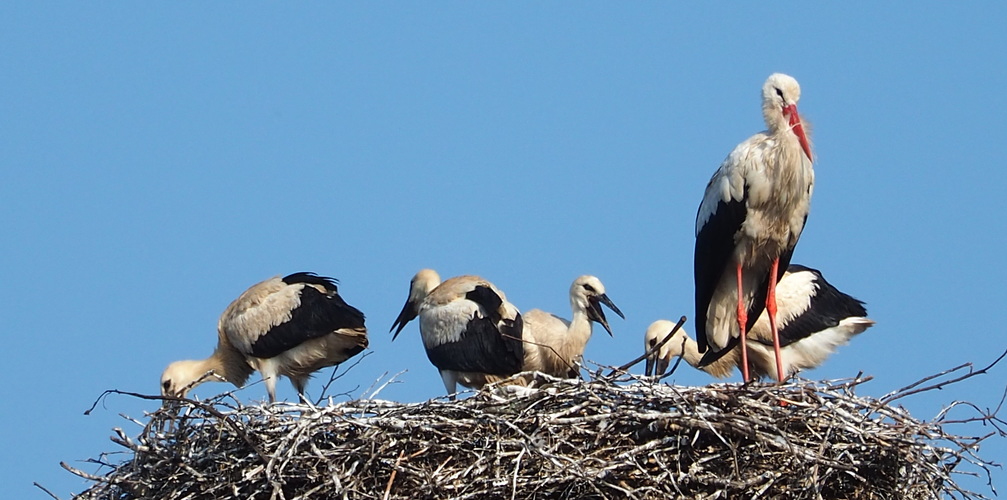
[[291, 326], [748, 224], [554, 345], [469, 330], [814, 319]]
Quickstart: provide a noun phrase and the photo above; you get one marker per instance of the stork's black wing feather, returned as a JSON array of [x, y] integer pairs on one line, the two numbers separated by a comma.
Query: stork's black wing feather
[[481, 349], [714, 247], [826, 308], [312, 279], [487, 299], [318, 314], [484, 347]]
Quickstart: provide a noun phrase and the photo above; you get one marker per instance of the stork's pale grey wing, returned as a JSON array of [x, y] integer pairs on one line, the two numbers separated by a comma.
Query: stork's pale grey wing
[[317, 315], [485, 346]]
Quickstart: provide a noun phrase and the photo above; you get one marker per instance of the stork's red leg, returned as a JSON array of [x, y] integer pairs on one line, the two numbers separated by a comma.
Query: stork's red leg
[[742, 321], [771, 310]]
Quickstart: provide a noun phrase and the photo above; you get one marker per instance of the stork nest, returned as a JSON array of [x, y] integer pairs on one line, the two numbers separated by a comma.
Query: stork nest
[[610, 437]]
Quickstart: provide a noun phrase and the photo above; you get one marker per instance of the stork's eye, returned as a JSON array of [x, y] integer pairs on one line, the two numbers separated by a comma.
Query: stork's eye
[[780, 93], [589, 288], [166, 385]]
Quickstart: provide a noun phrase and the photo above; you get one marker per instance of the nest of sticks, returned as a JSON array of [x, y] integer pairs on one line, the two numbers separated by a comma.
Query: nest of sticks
[[614, 436]]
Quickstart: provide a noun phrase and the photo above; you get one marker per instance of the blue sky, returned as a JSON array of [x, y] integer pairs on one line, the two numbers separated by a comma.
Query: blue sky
[[158, 159]]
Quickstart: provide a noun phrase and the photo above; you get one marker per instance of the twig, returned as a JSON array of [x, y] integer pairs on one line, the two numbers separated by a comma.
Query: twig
[[205, 407], [39, 486], [81, 473], [654, 349], [569, 366], [675, 366], [380, 388], [901, 393], [568, 438], [334, 377], [395, 469]]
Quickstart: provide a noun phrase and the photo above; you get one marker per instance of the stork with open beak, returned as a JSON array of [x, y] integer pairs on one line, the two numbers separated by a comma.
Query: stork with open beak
[[554, 345]]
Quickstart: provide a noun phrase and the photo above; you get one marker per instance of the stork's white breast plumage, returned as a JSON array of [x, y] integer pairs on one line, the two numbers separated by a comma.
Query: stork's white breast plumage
[[469, 329], [750, 218]]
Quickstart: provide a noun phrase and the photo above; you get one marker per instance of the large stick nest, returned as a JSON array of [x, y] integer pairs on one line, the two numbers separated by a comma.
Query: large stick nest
[[564, 439]]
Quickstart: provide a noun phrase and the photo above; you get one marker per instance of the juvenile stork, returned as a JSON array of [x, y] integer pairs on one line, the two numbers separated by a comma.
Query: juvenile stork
[[291, 326], [748, 224], [469, 330], [814, 319], [554, 345]]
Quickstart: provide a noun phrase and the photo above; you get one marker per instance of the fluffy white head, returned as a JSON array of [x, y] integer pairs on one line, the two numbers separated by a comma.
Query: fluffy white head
[[422, 284], [657, 362], [586, 295], [582, 289], [780, 91], [657, 331]]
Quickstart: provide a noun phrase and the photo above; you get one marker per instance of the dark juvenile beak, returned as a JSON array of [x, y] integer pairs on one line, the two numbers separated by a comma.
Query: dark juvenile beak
[[407, 315], [662, 367], [595, 313], [656, 366]]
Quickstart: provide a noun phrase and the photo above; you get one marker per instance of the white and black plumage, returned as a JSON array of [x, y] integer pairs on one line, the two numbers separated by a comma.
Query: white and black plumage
[[748, 224], [814, 319], [291, 326], [469, 329], [555, 345]]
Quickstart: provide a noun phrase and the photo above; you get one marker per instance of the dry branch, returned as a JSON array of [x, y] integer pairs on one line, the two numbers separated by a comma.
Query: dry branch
[[564, 439]]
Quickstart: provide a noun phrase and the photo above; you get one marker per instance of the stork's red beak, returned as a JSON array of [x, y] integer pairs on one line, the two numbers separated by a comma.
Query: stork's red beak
[[790, 112]]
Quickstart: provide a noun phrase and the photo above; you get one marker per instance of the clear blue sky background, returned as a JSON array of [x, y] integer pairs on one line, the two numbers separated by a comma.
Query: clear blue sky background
[[159, 159]]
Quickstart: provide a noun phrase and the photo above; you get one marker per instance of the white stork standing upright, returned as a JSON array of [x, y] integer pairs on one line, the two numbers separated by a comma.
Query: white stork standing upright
[[814, 319], [469, 330], [748, 224], [554, 346], [292, 327]]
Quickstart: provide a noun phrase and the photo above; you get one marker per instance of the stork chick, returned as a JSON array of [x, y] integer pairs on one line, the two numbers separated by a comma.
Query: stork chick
[[289, 327], [554, 345], [469, 329]]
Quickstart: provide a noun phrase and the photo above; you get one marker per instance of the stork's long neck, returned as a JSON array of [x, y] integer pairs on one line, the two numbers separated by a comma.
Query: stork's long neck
[[721, 368], [690, 351], [577, 334], [228, 363]]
